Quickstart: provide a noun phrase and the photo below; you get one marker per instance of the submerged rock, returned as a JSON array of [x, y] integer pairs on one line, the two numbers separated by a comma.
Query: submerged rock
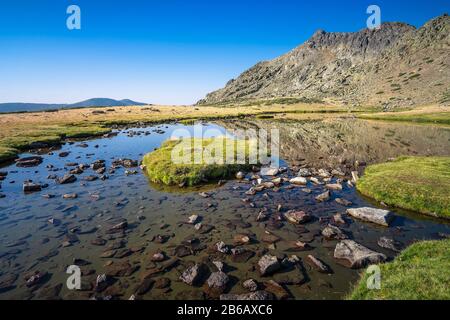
[[299, 181], [323, 196], [331, 232], [390, 244], [355, 255], [251, 285], [378, 216], [216, 284], [193, 275], [67, 178], [268, 264], [297, 217], [276, 289], [318, 264], [31, 187], [29, 161]]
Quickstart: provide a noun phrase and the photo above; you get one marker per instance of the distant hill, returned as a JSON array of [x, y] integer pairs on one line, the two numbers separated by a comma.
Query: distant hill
[[95, 102], [394, 66]]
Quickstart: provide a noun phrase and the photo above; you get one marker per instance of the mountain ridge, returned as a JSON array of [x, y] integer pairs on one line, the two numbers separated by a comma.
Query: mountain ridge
[[93, 102], [394, 66]]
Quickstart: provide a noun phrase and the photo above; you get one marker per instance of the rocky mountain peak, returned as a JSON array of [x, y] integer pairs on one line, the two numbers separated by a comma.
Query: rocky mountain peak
[[392, 66]]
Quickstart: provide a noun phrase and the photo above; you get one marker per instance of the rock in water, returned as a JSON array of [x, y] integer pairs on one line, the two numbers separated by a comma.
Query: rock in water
[[269, 171], [193, 275], [390, 244], [299, 181], [297, 217], [29, 161], [354, 255], [378, 216], [268, 264], [318, 264], [333, 233], [251, 285], [216, 284], [193, 219], [323, 196], [31, 187], [276, 289], [67, 178]]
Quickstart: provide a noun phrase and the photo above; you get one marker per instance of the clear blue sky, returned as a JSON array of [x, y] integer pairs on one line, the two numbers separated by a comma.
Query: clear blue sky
[[163, 51]]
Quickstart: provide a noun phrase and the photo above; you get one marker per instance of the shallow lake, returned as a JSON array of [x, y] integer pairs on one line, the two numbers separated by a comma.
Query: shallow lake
[[155, 214]]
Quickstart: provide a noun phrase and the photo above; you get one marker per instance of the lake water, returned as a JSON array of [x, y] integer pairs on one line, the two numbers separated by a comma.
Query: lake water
[[29, 243]]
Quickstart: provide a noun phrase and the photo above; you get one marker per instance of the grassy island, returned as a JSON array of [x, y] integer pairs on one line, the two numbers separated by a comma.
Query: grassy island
[[161, 167]]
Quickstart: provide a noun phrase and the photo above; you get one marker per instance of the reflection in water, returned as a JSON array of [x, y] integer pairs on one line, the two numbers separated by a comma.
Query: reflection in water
[[47, 234], [341, 142]]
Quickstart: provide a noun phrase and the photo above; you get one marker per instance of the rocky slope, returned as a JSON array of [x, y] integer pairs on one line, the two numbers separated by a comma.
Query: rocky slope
[[396, 65]]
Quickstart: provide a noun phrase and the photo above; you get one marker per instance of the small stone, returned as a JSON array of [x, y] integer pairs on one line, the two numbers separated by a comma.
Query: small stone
[[268, 264], [334, 186], [250, 285], [343, 202], [333, 233], [240, 175], [70, 196], [193, 275], [299, 181], [390, 244], [297, 217], [222, 247], [323, 196], [241, 239], [193, 219], [318, 264], [67, 178], [276, 289], [31, 187]]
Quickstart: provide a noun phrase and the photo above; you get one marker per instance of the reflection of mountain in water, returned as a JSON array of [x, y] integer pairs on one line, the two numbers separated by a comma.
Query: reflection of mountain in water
[[341, 142]]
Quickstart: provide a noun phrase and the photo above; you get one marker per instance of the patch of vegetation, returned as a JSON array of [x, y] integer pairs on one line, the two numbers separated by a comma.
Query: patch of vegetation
[[419, 184], [11, 145], [420, 272], [7, 154], [437, 117], [161, 167]]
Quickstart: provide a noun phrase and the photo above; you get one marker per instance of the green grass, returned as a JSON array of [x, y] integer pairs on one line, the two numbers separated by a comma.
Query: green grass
[[11, 146], [162, 169], [420, 272], [420, 184], [437, 117], [7, 153]]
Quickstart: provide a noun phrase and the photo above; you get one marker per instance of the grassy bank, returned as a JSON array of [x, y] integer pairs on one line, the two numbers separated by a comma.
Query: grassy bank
[[421, 272], [420, 184], [432, 114], [161, 167]]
